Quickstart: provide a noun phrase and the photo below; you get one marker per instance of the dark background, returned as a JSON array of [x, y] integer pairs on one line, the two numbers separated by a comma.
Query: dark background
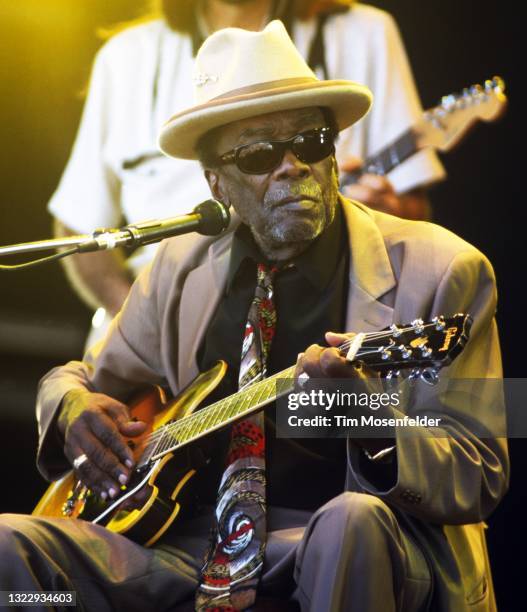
[[46, 49]]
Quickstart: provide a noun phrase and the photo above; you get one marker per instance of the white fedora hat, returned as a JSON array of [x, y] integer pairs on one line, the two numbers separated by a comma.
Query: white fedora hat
[[240, 74]]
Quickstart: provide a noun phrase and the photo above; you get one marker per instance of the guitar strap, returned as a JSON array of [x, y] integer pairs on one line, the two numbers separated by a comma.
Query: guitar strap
[[232, 568], [317, 52]]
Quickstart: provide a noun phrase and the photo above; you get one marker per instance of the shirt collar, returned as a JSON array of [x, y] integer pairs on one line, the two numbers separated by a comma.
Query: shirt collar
[[317, 263]]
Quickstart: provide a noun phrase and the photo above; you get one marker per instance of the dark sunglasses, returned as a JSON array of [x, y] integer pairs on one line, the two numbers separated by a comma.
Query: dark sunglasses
[[261, 157]]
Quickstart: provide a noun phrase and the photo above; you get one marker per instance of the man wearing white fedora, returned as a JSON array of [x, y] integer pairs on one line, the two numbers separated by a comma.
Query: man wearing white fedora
[[335, 525]]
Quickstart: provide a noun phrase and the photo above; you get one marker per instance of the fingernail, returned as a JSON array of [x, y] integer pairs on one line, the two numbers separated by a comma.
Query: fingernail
[[123, 478], [112, 492], [129, 464], [104, 495]]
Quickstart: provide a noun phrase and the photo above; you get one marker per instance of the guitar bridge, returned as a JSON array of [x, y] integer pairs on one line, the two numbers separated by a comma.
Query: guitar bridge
[[76, 496]]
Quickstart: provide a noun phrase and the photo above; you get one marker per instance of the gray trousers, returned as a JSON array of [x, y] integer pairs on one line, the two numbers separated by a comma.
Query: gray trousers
[[350, 555]]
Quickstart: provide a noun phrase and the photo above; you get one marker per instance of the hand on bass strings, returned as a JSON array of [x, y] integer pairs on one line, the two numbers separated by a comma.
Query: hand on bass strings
[[95, 425]]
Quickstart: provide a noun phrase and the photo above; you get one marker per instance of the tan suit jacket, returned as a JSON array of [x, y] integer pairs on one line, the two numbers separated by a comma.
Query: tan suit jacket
[[399, 271]]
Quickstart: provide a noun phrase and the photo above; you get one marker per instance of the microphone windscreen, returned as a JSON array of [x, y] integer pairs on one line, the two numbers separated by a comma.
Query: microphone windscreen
[[215, 217]]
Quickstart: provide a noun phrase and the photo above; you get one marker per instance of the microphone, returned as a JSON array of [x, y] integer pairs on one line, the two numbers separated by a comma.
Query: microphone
[[209, 218]]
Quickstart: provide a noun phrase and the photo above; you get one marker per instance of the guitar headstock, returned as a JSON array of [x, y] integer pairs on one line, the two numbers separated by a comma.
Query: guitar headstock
[[422, 347], [445, 125]]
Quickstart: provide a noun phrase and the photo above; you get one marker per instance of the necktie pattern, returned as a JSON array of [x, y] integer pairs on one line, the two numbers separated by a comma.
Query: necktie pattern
[[230, 575]]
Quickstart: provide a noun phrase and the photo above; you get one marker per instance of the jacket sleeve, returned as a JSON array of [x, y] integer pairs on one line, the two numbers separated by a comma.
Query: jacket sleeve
[[458, 472], [126, 359]]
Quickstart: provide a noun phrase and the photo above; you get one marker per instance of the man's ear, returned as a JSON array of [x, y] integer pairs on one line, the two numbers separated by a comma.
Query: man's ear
[[216, 186]]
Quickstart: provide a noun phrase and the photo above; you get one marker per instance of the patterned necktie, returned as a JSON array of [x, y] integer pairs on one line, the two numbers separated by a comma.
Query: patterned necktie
[[230, 575]]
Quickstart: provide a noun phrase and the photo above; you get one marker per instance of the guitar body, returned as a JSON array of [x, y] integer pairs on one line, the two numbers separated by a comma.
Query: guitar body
[[161, 487]]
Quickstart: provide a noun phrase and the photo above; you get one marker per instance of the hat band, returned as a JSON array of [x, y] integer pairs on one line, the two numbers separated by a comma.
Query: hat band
[[260, 90], [265, 87]]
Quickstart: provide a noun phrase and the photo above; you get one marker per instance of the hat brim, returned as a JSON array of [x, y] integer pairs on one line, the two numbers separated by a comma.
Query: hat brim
[[180, 135]]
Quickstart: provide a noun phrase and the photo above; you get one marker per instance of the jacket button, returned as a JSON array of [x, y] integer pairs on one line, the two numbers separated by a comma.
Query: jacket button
[[411, 497]]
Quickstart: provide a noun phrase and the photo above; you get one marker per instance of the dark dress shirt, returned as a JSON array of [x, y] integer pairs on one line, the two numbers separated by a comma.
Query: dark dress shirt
[[310, 299]]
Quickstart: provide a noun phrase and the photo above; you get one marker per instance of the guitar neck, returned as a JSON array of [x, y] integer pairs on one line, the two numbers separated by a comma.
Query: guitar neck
[[419, 345], [217, 415], [386, 159]]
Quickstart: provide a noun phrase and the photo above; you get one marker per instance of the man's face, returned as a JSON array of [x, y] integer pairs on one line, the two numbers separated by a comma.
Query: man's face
[[290, 206]]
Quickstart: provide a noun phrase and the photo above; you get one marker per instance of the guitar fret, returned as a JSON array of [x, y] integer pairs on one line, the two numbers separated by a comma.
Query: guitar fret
[[226, 413], [233, 407], [166, 442], [218, 411], [264, 392], [179, 430], [207, 418], [233, 404], [184, 430], [200, 424], [247, 399]]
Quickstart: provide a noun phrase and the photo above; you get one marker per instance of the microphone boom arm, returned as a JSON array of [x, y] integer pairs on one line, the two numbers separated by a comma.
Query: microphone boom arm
[[210, 218]]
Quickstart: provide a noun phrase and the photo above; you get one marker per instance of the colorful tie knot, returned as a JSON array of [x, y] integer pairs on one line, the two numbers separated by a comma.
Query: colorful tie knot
[[265, 274]]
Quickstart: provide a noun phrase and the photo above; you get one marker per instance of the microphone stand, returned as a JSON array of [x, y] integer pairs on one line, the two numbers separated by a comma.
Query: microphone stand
[[104, 239], [209, 218]]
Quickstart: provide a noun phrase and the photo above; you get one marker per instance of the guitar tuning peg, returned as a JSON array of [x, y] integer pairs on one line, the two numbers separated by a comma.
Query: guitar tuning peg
[[439, 323], [478, 93], [385, 354], [430, 376], [426, 351], [415, 374], [418, 325], [468, 97], [405, 351], [448, 103], [393, 374], [461, 100], [395, 330], [497, 84]]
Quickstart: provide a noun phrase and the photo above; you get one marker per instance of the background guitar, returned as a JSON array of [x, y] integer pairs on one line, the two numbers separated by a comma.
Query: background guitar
[[441, 127]]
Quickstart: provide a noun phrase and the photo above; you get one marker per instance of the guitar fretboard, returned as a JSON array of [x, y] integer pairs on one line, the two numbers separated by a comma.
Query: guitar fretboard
[[384, 161], [419, 345], [217, 415]]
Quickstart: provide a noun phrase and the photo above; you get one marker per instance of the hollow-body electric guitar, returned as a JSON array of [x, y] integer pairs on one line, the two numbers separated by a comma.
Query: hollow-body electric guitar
[[441, 127], [163, 475]]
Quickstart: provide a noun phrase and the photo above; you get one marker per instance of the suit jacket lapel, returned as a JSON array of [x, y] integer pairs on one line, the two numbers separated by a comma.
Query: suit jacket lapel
[[201, 293], [371, 274]]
